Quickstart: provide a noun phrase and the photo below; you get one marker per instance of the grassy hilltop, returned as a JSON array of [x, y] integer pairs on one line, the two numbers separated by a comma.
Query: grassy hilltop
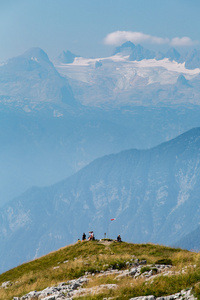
[[73, 261]]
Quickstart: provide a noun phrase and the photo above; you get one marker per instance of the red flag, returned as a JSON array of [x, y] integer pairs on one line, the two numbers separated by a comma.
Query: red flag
[[112, 219]]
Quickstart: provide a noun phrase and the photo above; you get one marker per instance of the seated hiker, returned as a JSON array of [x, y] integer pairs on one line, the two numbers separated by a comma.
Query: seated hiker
[[119, 238], [91, 236], [84, 237]]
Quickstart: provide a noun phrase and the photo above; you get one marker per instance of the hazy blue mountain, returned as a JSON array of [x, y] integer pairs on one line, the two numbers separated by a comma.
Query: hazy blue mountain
[[41, 148], [159, 55], [173, 54], [53, 123], [135, 52], [31, 81], [182, 82], [191, 59], [126, 48], [138, 52], [153, 194], [190, 241], [66, 57], [33, 96]]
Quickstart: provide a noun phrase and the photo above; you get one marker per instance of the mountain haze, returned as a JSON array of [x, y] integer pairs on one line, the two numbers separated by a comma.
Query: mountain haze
[[55, 119], [153, 194], [31, 80]]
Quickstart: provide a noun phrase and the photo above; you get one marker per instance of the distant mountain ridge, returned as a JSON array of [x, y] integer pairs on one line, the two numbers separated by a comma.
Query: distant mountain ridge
[[135, 52], [153, 194], [138, 52], [66, 57], [135, 76], [56, 119]]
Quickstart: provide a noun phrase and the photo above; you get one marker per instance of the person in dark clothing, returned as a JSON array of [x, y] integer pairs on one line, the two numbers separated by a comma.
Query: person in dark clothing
[[119, 238], [84, 237]]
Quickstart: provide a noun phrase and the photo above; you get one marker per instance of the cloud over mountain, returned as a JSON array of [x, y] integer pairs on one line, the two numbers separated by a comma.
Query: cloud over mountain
[[184, 41], [118, 37]]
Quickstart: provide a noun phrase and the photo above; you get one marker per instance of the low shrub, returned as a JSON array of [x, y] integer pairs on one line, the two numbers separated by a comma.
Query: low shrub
[[164, 261], [145, 269]]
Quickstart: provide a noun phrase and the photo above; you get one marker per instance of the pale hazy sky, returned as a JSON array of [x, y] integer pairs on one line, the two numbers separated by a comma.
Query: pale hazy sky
[[94, 27]]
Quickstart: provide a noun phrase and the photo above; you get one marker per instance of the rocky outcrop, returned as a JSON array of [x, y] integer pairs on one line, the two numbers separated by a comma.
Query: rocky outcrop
[[64, 290], [74, 288], [138, 270], [183, 295]]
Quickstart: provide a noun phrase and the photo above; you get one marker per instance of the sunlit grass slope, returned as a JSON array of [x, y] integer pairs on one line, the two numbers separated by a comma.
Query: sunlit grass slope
[[73, 261]]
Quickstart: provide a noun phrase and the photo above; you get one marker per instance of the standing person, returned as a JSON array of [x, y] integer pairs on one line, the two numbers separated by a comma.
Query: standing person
[[84, 236]]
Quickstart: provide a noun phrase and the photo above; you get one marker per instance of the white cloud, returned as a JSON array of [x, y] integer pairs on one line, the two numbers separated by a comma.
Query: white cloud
[[184, 41], [119, 37]]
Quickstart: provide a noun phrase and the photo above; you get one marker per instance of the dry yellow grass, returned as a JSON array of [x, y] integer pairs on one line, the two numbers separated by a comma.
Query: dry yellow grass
[[94, 256]]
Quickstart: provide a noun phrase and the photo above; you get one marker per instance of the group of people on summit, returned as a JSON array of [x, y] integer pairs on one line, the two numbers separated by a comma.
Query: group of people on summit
[[92, 238]]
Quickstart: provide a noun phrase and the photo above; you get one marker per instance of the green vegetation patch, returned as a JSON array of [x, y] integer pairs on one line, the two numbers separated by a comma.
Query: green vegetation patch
[[145, 269], [164, 261], [151, 252]]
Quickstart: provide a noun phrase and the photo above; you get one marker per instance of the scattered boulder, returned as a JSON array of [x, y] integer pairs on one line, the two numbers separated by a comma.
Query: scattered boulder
[[183, 295], [73, 288], [151, 297], [63, 291], [5, 284]]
